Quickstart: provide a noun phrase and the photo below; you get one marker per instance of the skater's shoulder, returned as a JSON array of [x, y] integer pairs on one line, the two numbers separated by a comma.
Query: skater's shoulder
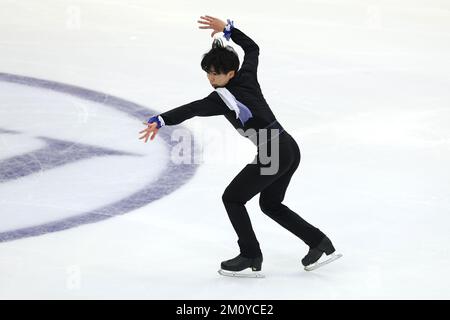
[[243, 80]]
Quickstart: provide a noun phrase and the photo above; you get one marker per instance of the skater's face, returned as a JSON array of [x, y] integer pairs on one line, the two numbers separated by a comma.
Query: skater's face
[[218, 80]]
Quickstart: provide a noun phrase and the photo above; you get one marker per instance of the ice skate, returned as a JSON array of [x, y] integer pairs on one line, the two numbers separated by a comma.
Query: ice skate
[[316, 258], [242, 267]]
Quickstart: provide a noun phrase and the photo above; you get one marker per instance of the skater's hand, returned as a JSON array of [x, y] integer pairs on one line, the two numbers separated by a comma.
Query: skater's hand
[[151, 129], [212, 23]]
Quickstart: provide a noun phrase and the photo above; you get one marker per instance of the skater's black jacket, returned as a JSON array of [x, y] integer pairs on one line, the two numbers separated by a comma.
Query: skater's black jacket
[[244, 86]]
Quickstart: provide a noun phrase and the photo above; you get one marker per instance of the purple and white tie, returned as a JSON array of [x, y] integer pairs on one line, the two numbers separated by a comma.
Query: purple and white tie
[[241, 110]]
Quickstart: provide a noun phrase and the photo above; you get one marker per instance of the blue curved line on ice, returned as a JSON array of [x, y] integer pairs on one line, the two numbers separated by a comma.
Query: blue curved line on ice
[[8, 131], [62, 152], [170, 179]]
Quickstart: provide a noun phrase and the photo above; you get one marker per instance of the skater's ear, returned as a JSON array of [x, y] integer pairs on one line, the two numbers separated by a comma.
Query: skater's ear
[[231, 74]]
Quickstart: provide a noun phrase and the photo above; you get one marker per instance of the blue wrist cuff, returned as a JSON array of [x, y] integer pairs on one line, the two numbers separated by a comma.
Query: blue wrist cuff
[[227, 29], [157, 120]]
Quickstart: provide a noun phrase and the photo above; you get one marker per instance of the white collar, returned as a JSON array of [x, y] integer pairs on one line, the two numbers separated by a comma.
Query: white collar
[[229, 99]]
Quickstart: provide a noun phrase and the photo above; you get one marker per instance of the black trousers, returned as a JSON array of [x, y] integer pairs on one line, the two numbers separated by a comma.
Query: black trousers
[[272, 188]]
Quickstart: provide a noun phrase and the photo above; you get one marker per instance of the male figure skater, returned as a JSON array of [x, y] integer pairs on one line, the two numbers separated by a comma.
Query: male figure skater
[[238, 97]]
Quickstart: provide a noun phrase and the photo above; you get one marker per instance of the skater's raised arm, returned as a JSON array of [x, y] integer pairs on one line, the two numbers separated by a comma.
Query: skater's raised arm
[[250, 48]]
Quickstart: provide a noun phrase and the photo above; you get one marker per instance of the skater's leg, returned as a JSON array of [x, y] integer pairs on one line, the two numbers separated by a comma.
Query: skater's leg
[[244, 187], [271, 199]]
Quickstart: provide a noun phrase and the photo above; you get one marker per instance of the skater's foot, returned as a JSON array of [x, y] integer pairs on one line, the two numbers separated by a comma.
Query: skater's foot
[[240, 263], [241, 266], [313, 259]]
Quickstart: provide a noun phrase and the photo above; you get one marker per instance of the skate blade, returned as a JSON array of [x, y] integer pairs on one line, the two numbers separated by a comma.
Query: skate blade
[[241, 274], [332, 257]]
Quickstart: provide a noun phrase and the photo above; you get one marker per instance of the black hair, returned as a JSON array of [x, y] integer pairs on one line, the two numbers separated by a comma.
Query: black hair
[[223, 58]]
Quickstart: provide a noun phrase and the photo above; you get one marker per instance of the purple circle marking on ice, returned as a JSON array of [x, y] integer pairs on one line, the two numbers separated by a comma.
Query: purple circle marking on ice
[[170, 179]]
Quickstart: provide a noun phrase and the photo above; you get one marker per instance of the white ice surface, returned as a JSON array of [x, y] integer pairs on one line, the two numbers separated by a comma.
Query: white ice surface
[[361, 85]]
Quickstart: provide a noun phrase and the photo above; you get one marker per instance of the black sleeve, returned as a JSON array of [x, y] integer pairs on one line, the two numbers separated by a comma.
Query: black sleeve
[[251, 50], [212, 105]]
